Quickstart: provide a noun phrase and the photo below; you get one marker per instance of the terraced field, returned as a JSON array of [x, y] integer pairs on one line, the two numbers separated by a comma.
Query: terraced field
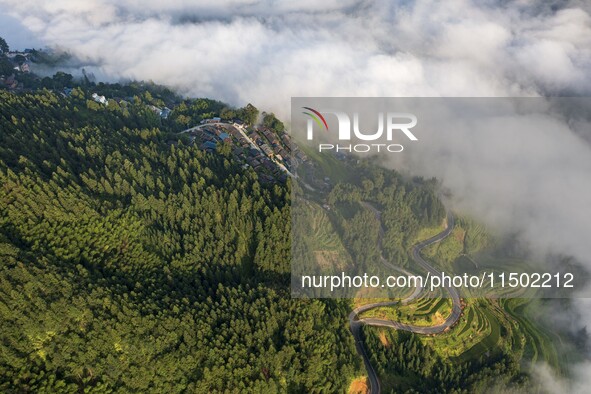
[[538, 343], [328, 248], [424, 312], [485, 327]]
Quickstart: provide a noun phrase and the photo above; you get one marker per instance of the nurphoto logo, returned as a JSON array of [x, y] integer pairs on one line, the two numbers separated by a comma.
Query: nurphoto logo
[[395, 122]]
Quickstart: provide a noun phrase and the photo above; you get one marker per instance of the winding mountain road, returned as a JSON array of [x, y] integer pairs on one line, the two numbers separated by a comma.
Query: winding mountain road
[[355, 323]]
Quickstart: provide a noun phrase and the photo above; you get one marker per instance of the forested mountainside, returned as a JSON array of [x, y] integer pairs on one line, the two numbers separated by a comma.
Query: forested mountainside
[[136, 265], [132, 260]]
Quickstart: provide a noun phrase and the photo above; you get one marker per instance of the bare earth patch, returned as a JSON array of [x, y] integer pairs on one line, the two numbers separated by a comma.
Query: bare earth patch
[[359, 386], [437, 319], [383, 338]]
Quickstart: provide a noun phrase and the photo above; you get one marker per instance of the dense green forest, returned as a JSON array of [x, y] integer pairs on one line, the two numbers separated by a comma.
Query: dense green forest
[[411, 366], [131, 264], [406, 206], [133, 261]]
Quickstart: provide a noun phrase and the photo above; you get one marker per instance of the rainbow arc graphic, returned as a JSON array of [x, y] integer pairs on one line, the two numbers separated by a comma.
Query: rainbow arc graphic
[[317, 117]]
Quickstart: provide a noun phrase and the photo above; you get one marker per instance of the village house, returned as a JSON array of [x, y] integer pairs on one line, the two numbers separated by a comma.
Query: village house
[[100, 99], [212, 120]]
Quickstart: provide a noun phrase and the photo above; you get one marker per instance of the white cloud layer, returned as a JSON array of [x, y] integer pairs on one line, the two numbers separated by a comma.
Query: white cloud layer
[[267, 51], [523, 173], [551, 383]]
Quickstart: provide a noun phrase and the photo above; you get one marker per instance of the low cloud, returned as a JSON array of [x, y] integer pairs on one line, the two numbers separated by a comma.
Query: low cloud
[[523, 170], [267, 51], [551, 383]]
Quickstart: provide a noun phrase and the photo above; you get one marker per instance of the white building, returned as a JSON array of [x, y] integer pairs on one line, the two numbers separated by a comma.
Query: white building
[[100, 99]]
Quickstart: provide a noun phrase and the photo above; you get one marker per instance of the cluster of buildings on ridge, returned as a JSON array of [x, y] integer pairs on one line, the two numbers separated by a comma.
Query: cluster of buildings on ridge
[[268, 153], [21, 62]]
